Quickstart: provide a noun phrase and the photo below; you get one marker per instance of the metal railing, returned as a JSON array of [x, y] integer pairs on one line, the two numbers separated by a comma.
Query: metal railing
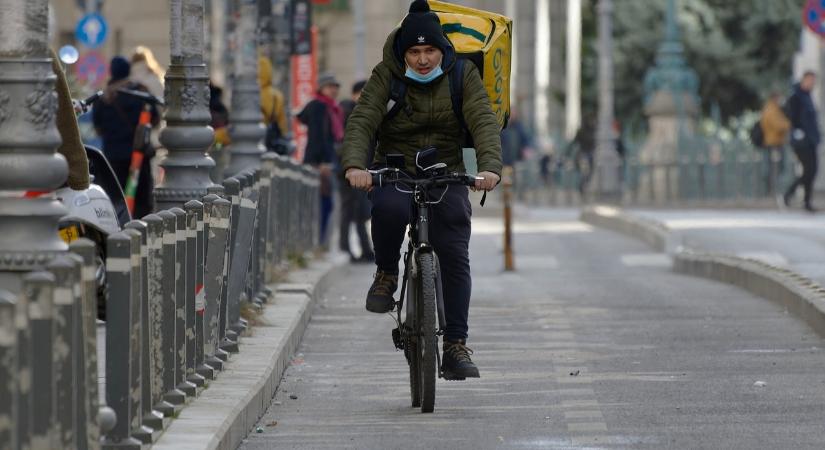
[[742, 177], [177, 284]]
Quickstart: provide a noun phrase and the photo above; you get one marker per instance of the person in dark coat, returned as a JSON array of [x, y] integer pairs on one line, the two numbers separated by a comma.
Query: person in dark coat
[[355, 206], [325, 127], [805, 137], [115, 117]]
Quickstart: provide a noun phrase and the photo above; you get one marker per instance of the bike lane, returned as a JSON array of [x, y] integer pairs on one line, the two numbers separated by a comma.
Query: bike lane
[[592, 343]]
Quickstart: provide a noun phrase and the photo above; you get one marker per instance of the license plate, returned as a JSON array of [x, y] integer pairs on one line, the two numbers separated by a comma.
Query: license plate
[[70, 234]]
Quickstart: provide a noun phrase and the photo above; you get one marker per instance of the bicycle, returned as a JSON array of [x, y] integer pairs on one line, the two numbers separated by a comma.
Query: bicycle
[[418, 335]]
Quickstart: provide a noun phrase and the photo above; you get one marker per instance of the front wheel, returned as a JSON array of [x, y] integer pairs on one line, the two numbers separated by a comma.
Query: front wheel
[[427, 337]]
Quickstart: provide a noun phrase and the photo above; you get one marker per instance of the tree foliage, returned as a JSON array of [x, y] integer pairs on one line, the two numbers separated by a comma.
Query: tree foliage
[[741, 50]]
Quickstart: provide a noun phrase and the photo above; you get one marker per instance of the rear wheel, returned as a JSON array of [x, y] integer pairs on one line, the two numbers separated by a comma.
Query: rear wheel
[[427, 338]]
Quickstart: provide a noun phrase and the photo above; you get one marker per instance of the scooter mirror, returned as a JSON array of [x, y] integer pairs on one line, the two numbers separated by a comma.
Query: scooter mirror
[[68, 54]]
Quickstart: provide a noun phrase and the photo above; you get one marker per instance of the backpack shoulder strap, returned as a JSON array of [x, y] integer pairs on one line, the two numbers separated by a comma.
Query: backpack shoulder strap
[[398, 94], [457, 91]]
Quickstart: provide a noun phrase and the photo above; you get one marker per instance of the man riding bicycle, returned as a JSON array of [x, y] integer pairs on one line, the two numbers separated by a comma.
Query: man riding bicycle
[[420, 54]]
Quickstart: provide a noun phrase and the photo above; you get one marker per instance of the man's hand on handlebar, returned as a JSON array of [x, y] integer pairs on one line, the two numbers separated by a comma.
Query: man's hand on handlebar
[[488, 183], [359, 179]]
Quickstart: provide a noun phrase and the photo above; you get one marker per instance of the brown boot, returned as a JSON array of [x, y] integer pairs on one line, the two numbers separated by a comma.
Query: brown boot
[[379, 297]]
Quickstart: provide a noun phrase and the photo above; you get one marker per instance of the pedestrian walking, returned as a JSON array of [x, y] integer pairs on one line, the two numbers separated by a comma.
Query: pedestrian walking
[[147, 71], [584, 147], [325, 131], [775, 127], [355, 206], [115, 117], [804, 138], [272, 108]]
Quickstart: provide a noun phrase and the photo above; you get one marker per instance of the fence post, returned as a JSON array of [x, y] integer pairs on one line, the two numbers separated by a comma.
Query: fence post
[[158, 407], [167, 267], [22, 382], [147, 432], [181, 295], [120, 345], [199, 372], [87, 343], [213, 274], [39, 291], [219, 275], [66, 273], [10, 416], [232, 187]]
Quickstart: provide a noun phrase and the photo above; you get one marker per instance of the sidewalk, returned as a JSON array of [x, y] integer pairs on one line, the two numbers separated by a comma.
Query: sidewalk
[[792, 240]]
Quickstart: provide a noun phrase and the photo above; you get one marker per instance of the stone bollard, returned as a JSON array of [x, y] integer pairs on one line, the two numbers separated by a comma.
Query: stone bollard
[[167, 267], [158, 408], [121, 345], [151, 420], [215, 254], [232, 188], [22, 382], [86, 332], [199, 372], [38, 288], [10, 416], [66, 270], [180, 304]]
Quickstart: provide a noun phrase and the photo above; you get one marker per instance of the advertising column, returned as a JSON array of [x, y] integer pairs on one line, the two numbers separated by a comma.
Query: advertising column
[[304, 72]]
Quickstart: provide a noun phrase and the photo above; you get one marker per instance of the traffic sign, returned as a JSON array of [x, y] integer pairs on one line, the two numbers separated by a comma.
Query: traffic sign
[[814, 16], [91, 67], [91, 30]]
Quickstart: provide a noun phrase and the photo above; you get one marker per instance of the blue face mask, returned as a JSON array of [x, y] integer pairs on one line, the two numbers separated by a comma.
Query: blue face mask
[[424, 79]]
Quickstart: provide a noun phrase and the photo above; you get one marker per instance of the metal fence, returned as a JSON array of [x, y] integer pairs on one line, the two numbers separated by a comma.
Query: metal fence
[[178, 281], [716, 174]]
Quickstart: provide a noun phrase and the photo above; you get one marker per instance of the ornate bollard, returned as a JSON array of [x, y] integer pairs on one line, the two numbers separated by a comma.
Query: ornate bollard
[[10, 416], [247, 130], [167, 267], [38, 288], [121, 345], [187, 135]]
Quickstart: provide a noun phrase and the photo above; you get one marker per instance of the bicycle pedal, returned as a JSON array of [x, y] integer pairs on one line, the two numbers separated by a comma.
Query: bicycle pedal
[[396, 339]]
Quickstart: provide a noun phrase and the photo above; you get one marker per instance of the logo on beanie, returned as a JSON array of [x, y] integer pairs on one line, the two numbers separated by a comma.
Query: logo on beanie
[[421, 39]]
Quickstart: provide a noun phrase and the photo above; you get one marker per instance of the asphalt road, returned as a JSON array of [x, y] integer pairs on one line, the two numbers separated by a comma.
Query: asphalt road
[[592, 343]]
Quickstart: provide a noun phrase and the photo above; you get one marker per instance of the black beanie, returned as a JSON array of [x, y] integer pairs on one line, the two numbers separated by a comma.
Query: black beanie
[[421, 27]]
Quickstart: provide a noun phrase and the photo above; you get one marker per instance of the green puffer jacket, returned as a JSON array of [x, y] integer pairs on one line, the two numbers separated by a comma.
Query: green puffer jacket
[[426, 120]]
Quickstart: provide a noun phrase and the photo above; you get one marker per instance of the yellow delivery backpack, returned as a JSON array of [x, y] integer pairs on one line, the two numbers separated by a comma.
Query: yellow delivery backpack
[[486, 39]]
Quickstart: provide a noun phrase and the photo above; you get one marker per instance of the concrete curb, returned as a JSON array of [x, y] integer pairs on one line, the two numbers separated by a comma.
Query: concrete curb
[[798, 294], [651, 232], [222, 416]]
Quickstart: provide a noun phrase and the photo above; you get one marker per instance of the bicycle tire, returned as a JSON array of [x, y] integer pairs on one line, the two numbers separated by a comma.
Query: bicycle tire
[[411, 342], [427, 338]]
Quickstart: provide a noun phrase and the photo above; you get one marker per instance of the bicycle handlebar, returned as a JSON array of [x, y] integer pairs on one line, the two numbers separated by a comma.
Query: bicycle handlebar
[[390, 176]]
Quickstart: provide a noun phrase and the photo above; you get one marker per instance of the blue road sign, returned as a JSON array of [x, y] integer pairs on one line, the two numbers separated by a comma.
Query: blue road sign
[[91, 30]]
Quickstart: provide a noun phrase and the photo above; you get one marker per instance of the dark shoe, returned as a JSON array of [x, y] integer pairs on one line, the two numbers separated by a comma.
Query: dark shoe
[[811, 209], [379, 297], [456, 363]]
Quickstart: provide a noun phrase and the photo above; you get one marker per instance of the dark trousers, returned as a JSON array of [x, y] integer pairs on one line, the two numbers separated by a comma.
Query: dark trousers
[[449, 235], [807, 157], [355, 209], [144, 201]]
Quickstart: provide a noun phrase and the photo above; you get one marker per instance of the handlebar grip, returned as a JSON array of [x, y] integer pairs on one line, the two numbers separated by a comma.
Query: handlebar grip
[[93, 98], [376, 180]]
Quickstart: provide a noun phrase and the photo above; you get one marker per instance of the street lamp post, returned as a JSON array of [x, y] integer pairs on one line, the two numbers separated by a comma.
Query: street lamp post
[[28, 139], [187, 135], [247, 130], [607, 164]]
